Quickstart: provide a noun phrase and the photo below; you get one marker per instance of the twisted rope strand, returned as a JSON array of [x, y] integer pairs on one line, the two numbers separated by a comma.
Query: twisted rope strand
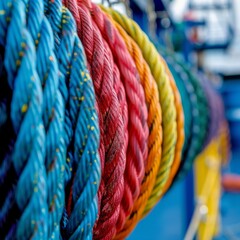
[[28, 152], [200, 123], [138, 131], [155, 133], [81, 127], [113, 127], [53, 112], [166, 99], [180, 130]]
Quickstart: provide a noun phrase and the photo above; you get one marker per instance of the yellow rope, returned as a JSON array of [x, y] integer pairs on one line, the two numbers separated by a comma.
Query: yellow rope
[[208, 185], [155, 131], [180, 129], [166, 96]]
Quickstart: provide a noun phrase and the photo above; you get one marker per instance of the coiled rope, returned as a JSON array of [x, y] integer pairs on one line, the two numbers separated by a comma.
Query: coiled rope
[[114, 125], [82, 176], [178, 76], [155, 130], [200, 116], [180, 129], [166, 100], [28, 198], [138, 131], [54, 134], [53, 116]]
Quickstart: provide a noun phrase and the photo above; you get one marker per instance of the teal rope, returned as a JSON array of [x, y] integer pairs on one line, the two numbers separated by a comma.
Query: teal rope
[[178, 75], [70, 122], [199, 111], [27, 155], [81, 126], [200, 120], [53, 112], [187, 108]]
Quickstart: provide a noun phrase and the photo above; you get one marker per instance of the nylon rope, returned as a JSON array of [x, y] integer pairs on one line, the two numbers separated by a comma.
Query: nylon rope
[[138, 131], [114, 124], [155, 131], [28, 198], [56, 82], [165, 95]]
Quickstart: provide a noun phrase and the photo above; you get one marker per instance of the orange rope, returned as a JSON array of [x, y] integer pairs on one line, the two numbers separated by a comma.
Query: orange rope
[[155, 136]]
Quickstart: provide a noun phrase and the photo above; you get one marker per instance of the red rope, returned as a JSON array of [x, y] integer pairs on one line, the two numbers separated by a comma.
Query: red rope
[[137, 128], [112, 111]]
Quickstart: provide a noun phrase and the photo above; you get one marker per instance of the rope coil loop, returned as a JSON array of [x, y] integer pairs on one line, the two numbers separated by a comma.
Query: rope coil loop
[[200, 116], [154, 125], [113, 141], [166, 97], [137, 128], [180, 129]]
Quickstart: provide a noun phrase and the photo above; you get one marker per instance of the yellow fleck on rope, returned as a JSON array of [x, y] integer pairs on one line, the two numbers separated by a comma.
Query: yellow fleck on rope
[[155, 133], [166, 96]]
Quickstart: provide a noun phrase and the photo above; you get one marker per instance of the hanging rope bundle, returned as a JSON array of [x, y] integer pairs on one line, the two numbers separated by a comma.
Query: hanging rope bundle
[[95, 126], [154, 124]]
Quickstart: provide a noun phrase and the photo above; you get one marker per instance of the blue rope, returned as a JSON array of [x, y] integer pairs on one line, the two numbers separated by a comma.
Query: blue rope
[[53, 113], [65, 108], [29, 194], [81, 125]]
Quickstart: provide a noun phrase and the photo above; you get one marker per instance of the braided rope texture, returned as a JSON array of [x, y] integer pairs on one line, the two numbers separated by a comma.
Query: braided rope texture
[[155, 131], [53, 112], [186, 104], [53, 118], [114, 137], [200, 116], [27, 196], [166, 96], [82, 174], [180, 129], [189, 101], [138, 131]]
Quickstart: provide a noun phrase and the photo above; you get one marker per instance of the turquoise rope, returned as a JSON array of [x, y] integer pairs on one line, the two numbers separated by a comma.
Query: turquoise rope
[[200, 122], [199, 112], [53, 113], [187, 108], [70, 121], [27, 155], [81, 126]]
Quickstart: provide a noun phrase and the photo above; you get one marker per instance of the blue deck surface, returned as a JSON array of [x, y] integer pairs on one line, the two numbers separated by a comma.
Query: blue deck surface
[[167, 221]]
